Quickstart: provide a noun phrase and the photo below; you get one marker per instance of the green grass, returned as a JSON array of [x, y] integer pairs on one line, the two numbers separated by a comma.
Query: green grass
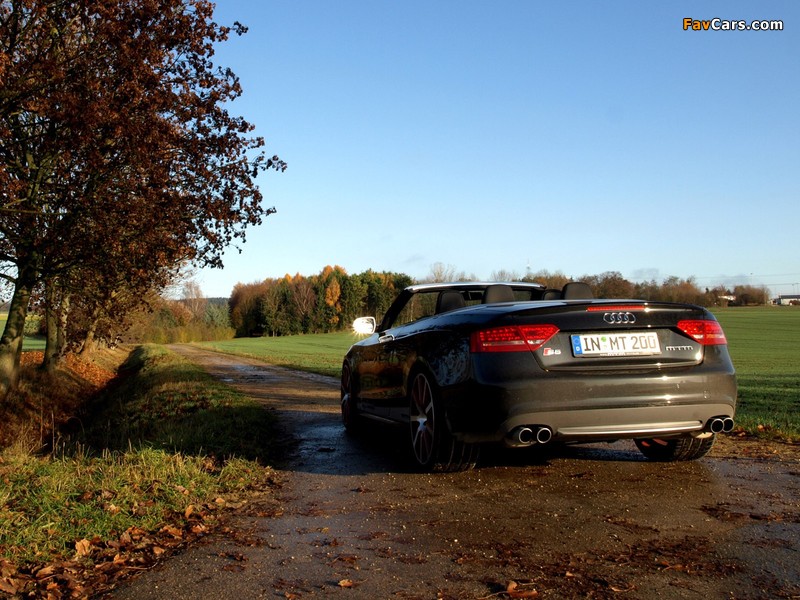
[[49, 504], [36, 342], [33, 342], [763, 345], [321, 353]]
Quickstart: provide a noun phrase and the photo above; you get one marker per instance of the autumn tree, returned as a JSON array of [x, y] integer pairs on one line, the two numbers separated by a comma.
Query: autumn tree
[[675, 289], [647, 290], [116, 150], [329, 307], [193, 298], [304, 300], [610, 284], [555, 280], [245, 306], [750, 295]]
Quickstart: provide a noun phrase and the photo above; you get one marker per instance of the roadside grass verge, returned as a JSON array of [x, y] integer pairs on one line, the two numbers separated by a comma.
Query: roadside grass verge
[[173, 405], [49, 504], [168, 450]]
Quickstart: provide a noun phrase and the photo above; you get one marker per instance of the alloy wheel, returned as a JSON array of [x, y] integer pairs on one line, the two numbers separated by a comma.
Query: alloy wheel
[[423, 420]]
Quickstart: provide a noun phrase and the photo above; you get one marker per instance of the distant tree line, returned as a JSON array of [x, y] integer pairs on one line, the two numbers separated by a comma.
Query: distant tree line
[[322, 303], [331, 300], [612, 284]]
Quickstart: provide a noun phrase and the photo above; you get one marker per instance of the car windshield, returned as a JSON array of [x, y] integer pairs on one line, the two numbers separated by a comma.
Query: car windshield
[[420, 305], [423, 303]]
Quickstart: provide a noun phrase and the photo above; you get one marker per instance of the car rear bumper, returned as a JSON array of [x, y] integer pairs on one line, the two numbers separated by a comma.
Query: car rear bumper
[[618, 423], [593, 407]]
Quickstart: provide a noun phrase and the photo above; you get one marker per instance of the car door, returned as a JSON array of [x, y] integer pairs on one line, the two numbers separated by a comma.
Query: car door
[[385, 362]]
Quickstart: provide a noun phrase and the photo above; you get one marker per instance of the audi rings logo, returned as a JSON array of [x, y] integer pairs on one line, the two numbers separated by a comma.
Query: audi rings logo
[[619, 318]]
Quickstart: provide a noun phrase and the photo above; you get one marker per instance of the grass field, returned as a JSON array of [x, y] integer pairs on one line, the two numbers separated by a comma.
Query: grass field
[[316, 353], [28, 343], [761, 341]]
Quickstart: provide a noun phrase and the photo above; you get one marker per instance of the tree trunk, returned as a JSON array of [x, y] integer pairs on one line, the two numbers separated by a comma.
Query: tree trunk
[[63, 320], [11, 340], [56, 310], [90, 342], [51, 354]]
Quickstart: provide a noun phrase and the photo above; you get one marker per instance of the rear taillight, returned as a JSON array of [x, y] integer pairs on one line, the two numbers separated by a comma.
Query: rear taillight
[[513, 338], [708, 333]]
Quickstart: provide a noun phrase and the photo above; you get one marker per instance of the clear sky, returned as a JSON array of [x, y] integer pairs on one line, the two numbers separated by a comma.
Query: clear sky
[[580, 137]]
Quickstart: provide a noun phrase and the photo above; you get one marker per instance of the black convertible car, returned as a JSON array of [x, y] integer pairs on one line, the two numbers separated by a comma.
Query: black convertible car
[[461, 364]]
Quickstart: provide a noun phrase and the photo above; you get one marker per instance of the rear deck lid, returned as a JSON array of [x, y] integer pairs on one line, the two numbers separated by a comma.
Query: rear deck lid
[[603, 335]]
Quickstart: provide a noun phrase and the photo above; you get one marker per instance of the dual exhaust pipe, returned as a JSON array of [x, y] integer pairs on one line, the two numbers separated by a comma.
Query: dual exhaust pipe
[[539, 434], [528, 436], [720, 424]]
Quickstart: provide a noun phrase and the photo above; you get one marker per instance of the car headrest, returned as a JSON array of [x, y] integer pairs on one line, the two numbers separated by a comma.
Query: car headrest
[[577, 290], [449, 300], [498, 293]]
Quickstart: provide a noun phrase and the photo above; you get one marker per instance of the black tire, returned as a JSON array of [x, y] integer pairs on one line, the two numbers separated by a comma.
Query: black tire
[[684, 448], [433, 448], [351, 420]]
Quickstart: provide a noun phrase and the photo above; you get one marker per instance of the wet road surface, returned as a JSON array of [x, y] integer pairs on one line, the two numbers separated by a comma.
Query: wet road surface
[[352, 520]]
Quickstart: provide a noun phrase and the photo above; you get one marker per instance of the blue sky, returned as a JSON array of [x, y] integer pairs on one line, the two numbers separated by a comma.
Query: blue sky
[[579, 137]]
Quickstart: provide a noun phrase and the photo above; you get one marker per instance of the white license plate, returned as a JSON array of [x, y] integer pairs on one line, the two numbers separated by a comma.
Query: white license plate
[[616, 344]]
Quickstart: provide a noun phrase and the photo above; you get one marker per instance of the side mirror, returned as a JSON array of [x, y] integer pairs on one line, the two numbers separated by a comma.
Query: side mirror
[[364, 325]]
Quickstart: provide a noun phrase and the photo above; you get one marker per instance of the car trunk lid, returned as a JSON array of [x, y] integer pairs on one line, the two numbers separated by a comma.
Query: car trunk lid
[[604, 335]]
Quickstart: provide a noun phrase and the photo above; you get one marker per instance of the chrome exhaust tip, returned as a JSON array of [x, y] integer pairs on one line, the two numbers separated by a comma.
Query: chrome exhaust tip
[[524, 436], [716, 425], [720, 424], [544, 435]]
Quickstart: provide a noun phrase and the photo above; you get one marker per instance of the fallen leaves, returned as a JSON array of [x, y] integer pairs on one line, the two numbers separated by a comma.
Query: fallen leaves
[[7, 586], [93, 374], [83, 548], [97, 562], [88, 371], [514, 590]]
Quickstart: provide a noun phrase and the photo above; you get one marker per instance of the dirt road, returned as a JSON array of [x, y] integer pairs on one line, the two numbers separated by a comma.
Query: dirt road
[[352, 520]]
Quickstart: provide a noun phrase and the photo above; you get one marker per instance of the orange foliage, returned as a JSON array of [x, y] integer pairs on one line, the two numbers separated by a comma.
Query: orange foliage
[[332, 294]]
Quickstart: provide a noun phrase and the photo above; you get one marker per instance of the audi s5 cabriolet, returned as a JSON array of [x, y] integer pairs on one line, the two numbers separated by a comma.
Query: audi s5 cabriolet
[[465, 364]]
